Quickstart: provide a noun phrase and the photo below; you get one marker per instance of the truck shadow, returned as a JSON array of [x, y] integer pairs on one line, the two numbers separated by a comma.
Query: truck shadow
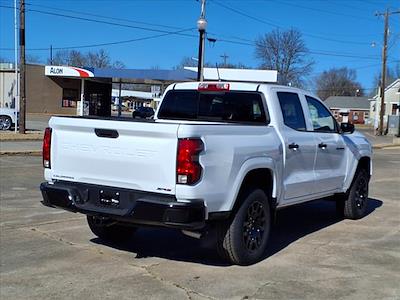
[[292, 224]]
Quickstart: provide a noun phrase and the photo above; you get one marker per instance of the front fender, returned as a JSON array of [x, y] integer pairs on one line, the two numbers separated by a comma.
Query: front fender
[[358, 147]]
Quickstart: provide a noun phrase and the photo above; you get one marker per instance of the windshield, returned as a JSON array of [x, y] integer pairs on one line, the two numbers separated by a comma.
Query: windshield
[[242, 107]]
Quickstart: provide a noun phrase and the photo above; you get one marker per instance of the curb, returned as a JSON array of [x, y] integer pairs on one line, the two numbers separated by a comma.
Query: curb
[[23, 152], [386, 146], [14, 138]]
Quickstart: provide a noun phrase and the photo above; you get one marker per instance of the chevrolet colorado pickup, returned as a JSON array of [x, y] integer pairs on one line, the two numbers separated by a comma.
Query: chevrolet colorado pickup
[[219, 155]]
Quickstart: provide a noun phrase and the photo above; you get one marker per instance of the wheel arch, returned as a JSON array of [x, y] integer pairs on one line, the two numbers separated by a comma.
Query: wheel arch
[[256, 174], [364, 162]]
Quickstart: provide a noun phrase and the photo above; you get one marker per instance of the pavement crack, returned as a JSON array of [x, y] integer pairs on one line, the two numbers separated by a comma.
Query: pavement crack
[[177, 285], [257, 291], [146, 269], [52, 237], [39, 224]]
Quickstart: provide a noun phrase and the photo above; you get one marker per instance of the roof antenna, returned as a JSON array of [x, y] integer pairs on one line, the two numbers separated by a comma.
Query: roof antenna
[[216, 65]]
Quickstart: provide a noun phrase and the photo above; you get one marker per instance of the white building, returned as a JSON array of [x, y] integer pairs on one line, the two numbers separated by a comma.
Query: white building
[[7, 85], [392, 103]]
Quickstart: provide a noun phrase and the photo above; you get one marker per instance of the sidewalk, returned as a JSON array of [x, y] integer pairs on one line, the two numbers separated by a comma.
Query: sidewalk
[[21, 147]]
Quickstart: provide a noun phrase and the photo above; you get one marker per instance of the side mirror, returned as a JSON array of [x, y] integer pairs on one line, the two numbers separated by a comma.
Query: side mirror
[[347, 127]]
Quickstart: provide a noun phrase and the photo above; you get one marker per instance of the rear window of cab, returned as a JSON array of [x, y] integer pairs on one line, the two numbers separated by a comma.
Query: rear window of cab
[[229, 106]]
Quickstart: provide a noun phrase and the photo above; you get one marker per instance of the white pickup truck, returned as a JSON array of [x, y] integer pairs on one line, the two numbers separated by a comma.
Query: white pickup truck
[[218, 155]]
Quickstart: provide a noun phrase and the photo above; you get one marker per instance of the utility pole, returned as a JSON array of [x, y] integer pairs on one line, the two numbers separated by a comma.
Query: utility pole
[[201, 26], [386, 15], [16, 86], [51, 54], [22, 109], [225, 58]]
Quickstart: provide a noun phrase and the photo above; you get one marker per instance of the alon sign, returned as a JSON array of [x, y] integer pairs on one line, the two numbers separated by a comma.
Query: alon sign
[[67, 71]]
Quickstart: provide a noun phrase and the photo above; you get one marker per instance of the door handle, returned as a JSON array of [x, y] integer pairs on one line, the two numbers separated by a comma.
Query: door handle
[[322, 145], [339, 148], [106, 133], [293, 146]]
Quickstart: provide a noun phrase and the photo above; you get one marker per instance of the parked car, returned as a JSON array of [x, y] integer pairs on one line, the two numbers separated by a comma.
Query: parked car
[[7, 118], [143, 112], [220, 157]]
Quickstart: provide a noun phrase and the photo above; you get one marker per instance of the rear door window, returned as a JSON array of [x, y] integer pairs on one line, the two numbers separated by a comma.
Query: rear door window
[[292, 111], [236, 107]]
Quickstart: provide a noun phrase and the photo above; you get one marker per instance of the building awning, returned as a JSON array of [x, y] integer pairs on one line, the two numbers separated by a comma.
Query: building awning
[[120, 74], [64, 71], [143, 75]]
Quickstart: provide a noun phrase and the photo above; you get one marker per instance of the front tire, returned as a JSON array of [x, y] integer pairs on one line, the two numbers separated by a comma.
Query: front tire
[[243, 239], [355, 205], [108, 231]]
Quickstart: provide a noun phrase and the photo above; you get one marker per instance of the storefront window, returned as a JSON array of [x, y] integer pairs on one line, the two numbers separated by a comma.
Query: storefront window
[[70, 98]]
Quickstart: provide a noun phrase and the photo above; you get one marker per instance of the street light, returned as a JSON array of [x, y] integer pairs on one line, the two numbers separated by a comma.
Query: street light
[[201, 26]]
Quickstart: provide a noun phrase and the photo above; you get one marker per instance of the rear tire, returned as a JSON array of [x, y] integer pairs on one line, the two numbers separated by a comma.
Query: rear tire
[[108, 231], [355, 205], [243, 239]]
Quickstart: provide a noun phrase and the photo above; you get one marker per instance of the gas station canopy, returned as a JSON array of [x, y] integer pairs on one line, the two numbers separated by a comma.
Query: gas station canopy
[[145, 76]]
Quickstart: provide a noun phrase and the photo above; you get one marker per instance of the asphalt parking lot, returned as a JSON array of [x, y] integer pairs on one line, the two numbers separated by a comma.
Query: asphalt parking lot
[[51, 254]]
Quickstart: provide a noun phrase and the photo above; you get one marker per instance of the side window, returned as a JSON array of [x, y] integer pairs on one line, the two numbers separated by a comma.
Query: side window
[[292, 111], [321, 118]]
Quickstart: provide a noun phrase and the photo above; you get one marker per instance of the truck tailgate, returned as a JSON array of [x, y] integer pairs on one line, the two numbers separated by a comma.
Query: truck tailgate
[[142, 156]]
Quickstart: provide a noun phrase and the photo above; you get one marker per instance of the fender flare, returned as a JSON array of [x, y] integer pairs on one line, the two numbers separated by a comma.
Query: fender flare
[[250, 165], [352, 171]]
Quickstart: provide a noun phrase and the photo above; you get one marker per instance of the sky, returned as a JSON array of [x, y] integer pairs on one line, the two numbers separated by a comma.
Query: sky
[[338, 33]]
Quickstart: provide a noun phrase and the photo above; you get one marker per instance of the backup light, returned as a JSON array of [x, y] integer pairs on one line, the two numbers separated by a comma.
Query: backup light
[[213, 87]]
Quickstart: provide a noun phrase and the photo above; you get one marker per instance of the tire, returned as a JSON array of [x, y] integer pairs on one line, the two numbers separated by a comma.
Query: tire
[[355, 204], [340, 207], [109, 232], [5, 123], [243, 239]]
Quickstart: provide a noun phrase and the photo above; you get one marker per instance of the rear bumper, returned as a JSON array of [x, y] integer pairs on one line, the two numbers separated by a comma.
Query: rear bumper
[[125, 205]]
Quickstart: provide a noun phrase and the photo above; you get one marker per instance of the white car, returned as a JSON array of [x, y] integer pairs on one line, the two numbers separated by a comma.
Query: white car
[[7, 118], [218, 156]]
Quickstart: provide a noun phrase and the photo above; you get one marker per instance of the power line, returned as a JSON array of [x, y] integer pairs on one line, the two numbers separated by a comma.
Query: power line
[[103, 16], [278, 26], [96, 21], [322, 10], [104, 44], [263, 21], [166, 33]]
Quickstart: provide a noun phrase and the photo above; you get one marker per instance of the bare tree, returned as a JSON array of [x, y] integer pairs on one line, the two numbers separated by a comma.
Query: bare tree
[[118, 64], [391, 75], [185, 62], [286, 52], [338, 82], [60, 58], [233, 66], [190, 62], [69, 58], [33, 59], [5, 60], [98, 59]]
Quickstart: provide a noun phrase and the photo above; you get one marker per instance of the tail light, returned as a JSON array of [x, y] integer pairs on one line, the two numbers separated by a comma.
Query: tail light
[[213, 87], [188, 168], [47, 148]]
